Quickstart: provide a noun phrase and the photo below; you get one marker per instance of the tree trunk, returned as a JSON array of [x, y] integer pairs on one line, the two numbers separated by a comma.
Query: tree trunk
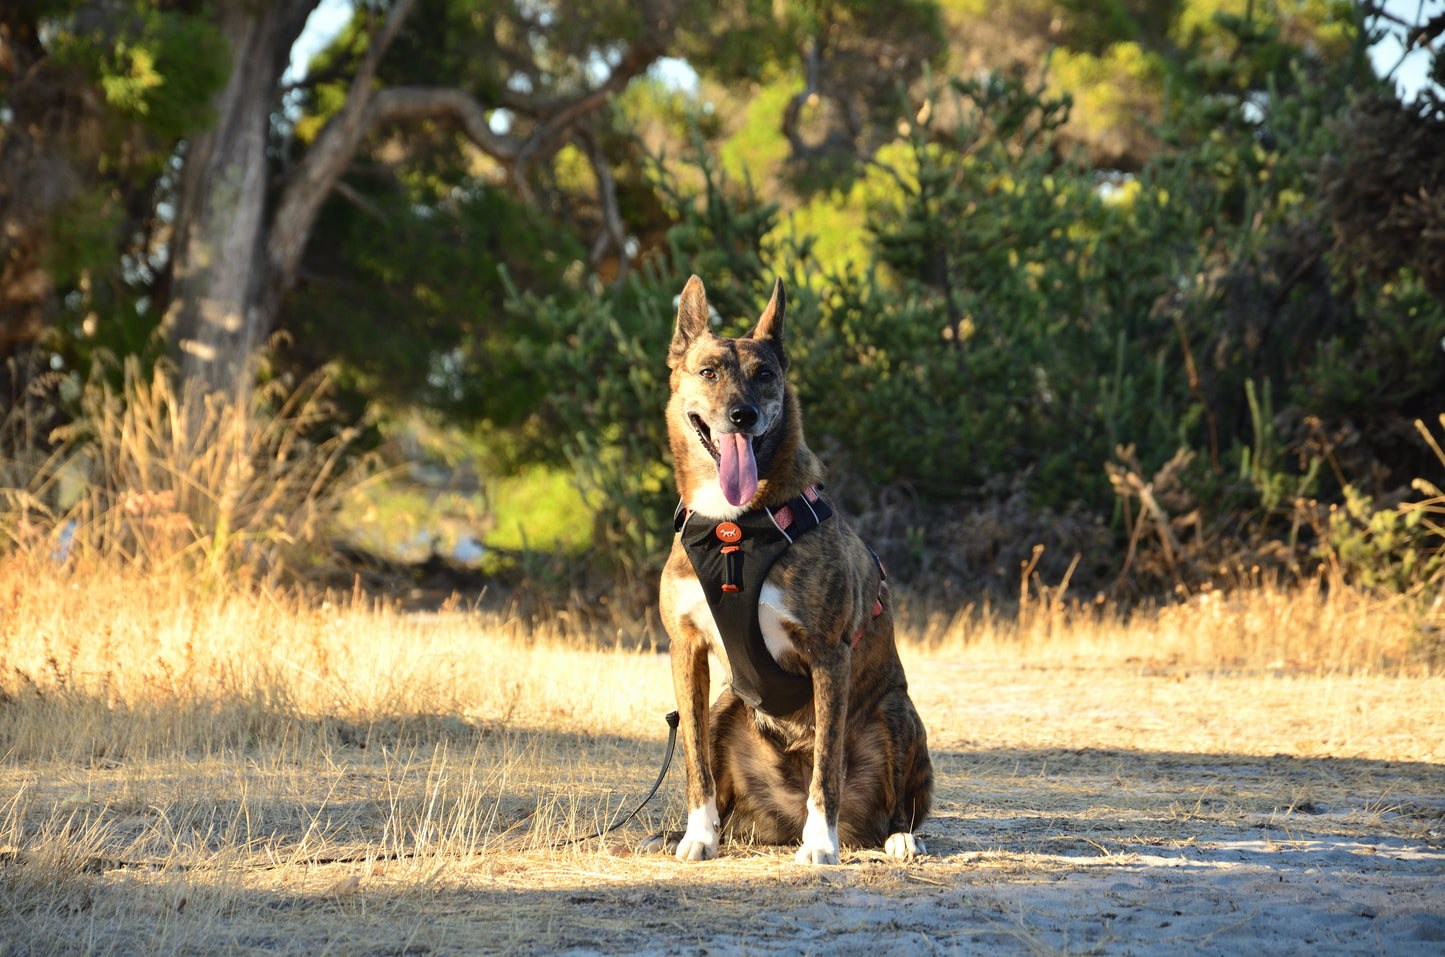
[[320, 170], [232, 262], [219, 268]]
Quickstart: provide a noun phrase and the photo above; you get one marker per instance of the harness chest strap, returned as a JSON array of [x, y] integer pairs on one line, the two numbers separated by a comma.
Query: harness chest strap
[[732, 559]]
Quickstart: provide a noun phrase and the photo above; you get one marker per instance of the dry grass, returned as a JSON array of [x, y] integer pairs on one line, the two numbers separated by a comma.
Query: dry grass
[[1263, 625], [154, 475], [194, 770]]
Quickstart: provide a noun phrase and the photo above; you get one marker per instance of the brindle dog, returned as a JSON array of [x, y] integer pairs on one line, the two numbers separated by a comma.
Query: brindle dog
[[851, 763]]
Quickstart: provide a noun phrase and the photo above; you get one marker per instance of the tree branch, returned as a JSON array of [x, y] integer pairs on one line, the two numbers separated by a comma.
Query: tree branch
[[410, 103], [556, 114], [613, 232], [356, 199], [322, 166], [367, 109], [1426, 33], [798, 100]]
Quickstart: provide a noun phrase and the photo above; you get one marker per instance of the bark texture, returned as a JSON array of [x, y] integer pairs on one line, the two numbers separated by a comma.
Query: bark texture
[[215, 316]]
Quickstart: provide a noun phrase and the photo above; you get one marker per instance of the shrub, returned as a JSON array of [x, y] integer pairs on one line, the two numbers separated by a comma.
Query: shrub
[[1026, 316]]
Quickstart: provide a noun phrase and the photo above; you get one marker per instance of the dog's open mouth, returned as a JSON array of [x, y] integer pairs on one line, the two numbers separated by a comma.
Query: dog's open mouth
[[737, 468], [704, 435]]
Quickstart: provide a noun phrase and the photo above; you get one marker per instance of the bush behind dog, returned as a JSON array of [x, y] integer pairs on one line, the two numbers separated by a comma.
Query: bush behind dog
[[1030, 322]]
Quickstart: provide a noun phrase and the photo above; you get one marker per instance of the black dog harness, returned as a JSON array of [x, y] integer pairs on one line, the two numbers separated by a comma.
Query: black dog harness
[[732, 560]]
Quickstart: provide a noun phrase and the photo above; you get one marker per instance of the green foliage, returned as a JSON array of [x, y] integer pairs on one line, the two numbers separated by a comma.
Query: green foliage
[[157, 68], [757, 148], [752, 40], [1391, 548], [648, 101], [1028, 294], [84, 234], [1112, 87], [1261, 464], [971, 297], [609, 386], [1238, 44], [121, 86], [540, 508], [813, 85], [411, 311], [1025, 313], [1381, 360]]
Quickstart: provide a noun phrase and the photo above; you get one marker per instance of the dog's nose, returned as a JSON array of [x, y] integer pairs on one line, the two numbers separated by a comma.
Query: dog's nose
[[744, 416]]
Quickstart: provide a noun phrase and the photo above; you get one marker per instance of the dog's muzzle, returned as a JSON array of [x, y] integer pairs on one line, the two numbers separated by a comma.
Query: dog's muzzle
[[704, 434]]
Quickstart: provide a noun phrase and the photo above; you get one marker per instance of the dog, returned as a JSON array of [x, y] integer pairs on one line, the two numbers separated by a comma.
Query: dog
[[815, 740]]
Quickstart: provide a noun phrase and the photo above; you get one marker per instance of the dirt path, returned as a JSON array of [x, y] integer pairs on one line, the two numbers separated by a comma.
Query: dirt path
[[1158, 853], [1081, 852]]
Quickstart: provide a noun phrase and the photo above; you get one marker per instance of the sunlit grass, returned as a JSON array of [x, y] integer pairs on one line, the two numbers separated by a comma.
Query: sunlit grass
[[1305, 627], [539, 508], [192, 769]]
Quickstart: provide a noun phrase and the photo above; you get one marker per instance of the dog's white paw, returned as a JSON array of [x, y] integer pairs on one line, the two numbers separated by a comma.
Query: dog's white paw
[[692, 850], [700, 840], [904, 846], [815, 857], [820, 842]]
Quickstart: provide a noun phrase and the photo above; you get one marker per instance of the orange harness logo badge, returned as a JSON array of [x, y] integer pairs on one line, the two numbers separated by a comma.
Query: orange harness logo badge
[[729, 532]]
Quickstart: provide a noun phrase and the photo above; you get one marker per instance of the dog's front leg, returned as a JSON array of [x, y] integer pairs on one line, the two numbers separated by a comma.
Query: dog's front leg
[[690, 685], [830, 708]]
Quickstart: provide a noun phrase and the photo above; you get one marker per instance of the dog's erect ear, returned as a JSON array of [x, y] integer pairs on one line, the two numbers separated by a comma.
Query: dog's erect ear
[[770, 326], [691, 320]]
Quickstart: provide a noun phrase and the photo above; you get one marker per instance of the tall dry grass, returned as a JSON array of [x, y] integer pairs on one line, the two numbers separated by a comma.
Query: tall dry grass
[[147, 473], [191, 742], [134, 670], [1311, 626], [105, 664]]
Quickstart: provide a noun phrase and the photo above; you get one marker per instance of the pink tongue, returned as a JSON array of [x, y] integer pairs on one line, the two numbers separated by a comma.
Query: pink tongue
[[737, 471]]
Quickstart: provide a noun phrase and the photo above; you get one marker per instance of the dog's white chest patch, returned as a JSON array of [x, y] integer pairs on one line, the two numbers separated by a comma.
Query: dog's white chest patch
[[692, 603], [708, 502], [773, 617]]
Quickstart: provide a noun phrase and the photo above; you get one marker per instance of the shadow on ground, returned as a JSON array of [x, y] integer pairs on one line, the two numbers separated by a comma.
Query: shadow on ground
[[1031, 851]]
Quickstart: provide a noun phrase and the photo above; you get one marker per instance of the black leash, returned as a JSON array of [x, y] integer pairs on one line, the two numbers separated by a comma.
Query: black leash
[[672, 720]]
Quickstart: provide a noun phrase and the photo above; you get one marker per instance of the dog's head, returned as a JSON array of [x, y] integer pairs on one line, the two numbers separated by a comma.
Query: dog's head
[[731, 394]]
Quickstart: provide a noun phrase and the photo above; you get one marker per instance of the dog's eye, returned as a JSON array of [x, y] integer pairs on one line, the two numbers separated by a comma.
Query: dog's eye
[[707, 373], [765, 374]]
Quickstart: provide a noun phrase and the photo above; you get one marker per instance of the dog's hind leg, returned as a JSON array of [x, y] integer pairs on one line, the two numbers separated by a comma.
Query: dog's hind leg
[[913, 777], [761, 789], [690, 683]]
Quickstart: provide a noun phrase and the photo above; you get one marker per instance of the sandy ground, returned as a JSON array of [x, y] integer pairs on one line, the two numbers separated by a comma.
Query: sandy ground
[[1152, 855], [1078, 810], [1207, 814]]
